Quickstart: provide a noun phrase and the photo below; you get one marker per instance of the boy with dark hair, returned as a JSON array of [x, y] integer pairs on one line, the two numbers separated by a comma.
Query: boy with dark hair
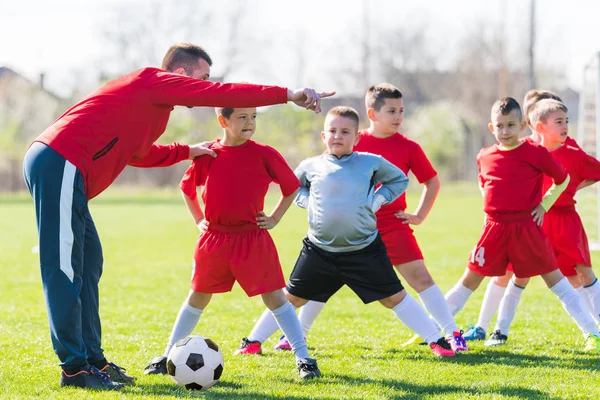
[[496, 288], [235, 244], [81, 154], [343, 245], [511, 177]]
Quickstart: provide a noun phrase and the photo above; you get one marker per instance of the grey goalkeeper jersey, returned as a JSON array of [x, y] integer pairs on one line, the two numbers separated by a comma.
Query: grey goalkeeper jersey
[[341, 199]]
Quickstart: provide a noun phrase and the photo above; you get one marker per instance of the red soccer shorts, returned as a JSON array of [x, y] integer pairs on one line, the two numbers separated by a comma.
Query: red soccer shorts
[[520, 242], [400, 243], [224, 256], [567, 237]]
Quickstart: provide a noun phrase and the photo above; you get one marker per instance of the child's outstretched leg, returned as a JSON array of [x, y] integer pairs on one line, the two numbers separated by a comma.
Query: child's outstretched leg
[[415, 273], [307, 316], [187, 319], [590, 290], [491, 301], [458, 296], [574, 305], [508, 309], [408, 310]]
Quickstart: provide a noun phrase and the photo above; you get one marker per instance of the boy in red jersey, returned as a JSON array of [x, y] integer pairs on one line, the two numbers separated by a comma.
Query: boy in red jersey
[[562, 223], [235, 244], [81, 154], [511, 175], [497, 286], [385, 109]]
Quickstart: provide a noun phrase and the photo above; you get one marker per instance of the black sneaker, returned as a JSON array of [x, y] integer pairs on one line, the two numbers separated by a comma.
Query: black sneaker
[[158, 365], [90, 378], [307, 367], [496, 339], [117, 374]]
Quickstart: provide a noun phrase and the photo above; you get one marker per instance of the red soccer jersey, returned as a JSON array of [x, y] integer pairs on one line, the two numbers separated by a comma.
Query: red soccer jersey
[[118, 124], [580, 166], [512, 180], [405, 154], [236, 181]]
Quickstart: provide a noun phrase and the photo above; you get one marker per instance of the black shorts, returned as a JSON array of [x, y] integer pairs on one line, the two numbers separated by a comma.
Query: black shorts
[[318, 274]]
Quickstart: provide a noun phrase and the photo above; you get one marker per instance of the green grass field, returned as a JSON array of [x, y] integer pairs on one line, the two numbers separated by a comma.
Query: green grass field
[[148, 244]]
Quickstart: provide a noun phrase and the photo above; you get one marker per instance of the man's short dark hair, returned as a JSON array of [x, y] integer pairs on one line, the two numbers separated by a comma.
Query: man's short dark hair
[[184, 55]]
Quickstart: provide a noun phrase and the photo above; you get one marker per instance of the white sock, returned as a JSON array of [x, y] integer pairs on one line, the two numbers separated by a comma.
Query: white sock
[[186, 321], [264, 328], [573, 303], [508, 307], [290, 325], [457, 297], [491, 302], [415, 318], [308, 314], [592, 295], [435, 304]]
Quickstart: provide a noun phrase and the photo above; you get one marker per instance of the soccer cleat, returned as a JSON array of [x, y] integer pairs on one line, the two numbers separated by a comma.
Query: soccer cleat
[[283, 344], [248, 347], [457, 342], [592, 343], [117, 374], [496, 339], [416, 339], [307, 368], [158, 365], [89, 378], [474, 333], [442, 348]]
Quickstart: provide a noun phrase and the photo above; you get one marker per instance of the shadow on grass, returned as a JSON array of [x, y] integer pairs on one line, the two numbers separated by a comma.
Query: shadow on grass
[[571, 361], [231, 391], [416, 391]]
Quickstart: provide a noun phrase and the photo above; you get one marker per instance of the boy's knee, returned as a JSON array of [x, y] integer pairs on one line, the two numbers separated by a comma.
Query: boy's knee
[[586, 275], [393, 300], [296, 301]]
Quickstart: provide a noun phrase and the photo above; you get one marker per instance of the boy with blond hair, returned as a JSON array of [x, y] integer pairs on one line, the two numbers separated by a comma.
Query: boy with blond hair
[[343, 245], [511, 176], [234, 243]]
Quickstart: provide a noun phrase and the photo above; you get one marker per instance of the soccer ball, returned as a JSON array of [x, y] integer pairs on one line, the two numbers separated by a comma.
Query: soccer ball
[[195, 362]]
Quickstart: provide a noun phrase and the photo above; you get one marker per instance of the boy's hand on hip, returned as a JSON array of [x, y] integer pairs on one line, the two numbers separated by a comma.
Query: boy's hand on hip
[[407, 218], [202, 225], [265, 221], [201, 149], [538, 214]]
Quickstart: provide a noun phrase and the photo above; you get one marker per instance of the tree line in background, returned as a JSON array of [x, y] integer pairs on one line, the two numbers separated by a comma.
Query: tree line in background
[[446, 106]]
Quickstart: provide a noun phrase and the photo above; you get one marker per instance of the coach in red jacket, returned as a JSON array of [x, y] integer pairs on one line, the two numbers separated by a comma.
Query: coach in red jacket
[[81, 154]]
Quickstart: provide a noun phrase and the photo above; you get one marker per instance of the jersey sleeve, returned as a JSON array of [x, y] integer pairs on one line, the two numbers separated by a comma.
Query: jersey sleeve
[[590, 168], [419, 164], [162, 156], [165, 88], [195, 176], [280, 172], [550, 166]]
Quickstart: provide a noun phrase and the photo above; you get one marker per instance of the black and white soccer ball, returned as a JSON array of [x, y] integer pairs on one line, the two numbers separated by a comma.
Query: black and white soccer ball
[[195, 362]]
